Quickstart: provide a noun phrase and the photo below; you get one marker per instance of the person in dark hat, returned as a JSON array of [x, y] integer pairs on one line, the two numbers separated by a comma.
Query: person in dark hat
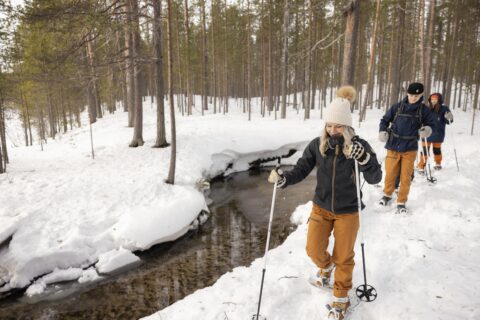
[[400, 128], [442, 116]]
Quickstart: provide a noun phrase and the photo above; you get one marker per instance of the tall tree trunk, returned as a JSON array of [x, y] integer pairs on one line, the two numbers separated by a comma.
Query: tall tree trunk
[[171, 171], [270, 56], [225, 66], [475, 105], [138, 129], [187, 67], [3, 137], [397, 53], [205, 59], [249, 64], [93, 76], [352, 13], [214, 71], [286, 22], [447, 86], [369, 90], [129, 73], [161, 140], [428, 48], [421, 41]]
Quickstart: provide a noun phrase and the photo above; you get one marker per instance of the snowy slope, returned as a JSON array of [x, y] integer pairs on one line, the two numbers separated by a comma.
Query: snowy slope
[[424, 265], [60, 209]]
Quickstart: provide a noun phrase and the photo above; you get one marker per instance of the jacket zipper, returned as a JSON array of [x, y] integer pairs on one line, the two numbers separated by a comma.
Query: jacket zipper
[[337, 151]]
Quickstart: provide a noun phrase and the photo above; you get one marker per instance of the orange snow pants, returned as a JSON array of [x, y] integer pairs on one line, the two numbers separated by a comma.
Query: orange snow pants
[[437, 153], [399, 163], [345, 228]]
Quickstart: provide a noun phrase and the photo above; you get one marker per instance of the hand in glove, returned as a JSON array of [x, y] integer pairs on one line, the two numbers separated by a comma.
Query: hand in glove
[[449, 117], [357, 152], [383, 136], [276, 175], [425, 132]]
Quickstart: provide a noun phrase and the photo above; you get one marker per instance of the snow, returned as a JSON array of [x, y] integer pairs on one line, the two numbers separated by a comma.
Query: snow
[[115, 259], [61, 210], [423, 264]]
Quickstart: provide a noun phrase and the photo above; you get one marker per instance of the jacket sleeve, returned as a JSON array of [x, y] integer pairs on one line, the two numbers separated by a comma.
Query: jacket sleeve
[[304, 165], [372, 170], [428, 118], [388, 117]]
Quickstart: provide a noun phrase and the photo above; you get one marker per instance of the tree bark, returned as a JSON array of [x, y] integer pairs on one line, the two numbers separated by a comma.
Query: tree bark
[[369, 90], [138, 129], [161, 140], [187, 67], [428, 48], [205, 59], [171, 171], [286, 22], [352, 13]]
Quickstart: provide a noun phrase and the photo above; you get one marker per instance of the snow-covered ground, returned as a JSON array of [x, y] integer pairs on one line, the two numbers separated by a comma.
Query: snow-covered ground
[[70, 217], [423, 265], [60, 209]]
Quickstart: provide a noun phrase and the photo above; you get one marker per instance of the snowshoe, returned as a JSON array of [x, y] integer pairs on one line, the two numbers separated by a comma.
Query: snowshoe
[[338, 309], [401, 209], [437, 167], [322, 278], [385, 201]]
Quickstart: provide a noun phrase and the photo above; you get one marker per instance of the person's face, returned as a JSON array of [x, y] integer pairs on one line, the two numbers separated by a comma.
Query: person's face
[[412, 98], [434, 100], [334, 129]]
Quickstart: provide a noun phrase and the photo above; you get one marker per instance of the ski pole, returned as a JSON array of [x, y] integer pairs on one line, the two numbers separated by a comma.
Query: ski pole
[[255, 317], [428, 173], [455, 151], [365, 292]]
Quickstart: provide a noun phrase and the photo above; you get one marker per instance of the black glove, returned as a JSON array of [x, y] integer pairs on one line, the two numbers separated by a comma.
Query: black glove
[[357, 152]]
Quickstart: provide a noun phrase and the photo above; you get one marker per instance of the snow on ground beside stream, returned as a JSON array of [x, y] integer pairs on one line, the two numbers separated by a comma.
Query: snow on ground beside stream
[[66, 216], [60, 209], [424, 265]]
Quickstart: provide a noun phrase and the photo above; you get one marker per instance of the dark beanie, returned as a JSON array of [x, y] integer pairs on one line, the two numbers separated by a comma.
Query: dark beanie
[[415, 88]]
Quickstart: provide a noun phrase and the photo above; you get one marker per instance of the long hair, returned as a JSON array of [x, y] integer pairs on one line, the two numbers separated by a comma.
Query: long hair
[[348, 134]]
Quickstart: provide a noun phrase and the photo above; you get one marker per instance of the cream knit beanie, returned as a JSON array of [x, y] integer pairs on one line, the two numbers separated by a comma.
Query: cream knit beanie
[[338, 111]]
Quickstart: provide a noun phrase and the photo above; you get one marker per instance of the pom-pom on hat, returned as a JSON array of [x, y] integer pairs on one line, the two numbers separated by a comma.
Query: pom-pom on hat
[[338, 111], [415, 88]]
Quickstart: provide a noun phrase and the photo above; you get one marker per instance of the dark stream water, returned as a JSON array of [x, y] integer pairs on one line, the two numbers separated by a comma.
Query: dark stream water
[[234, 236]]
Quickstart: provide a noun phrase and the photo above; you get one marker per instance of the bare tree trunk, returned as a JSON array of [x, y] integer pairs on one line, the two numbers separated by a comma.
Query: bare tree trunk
[[421, 44], [270, 56], [475, 105], [286, 22], [171, 171], [129, 74], [205, 59], [161, 140], [428, 48], [3, 138], [51, 115], [447, 85], [225, 107], [352, 12], [93, 77], [397, 53], [369, 89], [187, 67], [214, 71], [138, 129], [249, 67]]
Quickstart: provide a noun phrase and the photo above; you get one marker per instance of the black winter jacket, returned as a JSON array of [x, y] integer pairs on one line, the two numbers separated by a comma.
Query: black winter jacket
[[336, 190], [402, 122]]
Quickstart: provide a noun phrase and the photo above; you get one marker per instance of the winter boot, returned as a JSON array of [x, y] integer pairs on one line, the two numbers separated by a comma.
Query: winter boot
[[385, 201], [322, 277], [421, 171], [338, 308], [437, 167], [401, 208]]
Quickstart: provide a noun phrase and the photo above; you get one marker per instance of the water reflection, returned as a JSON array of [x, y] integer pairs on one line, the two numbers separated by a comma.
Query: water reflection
[[235, 235]]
